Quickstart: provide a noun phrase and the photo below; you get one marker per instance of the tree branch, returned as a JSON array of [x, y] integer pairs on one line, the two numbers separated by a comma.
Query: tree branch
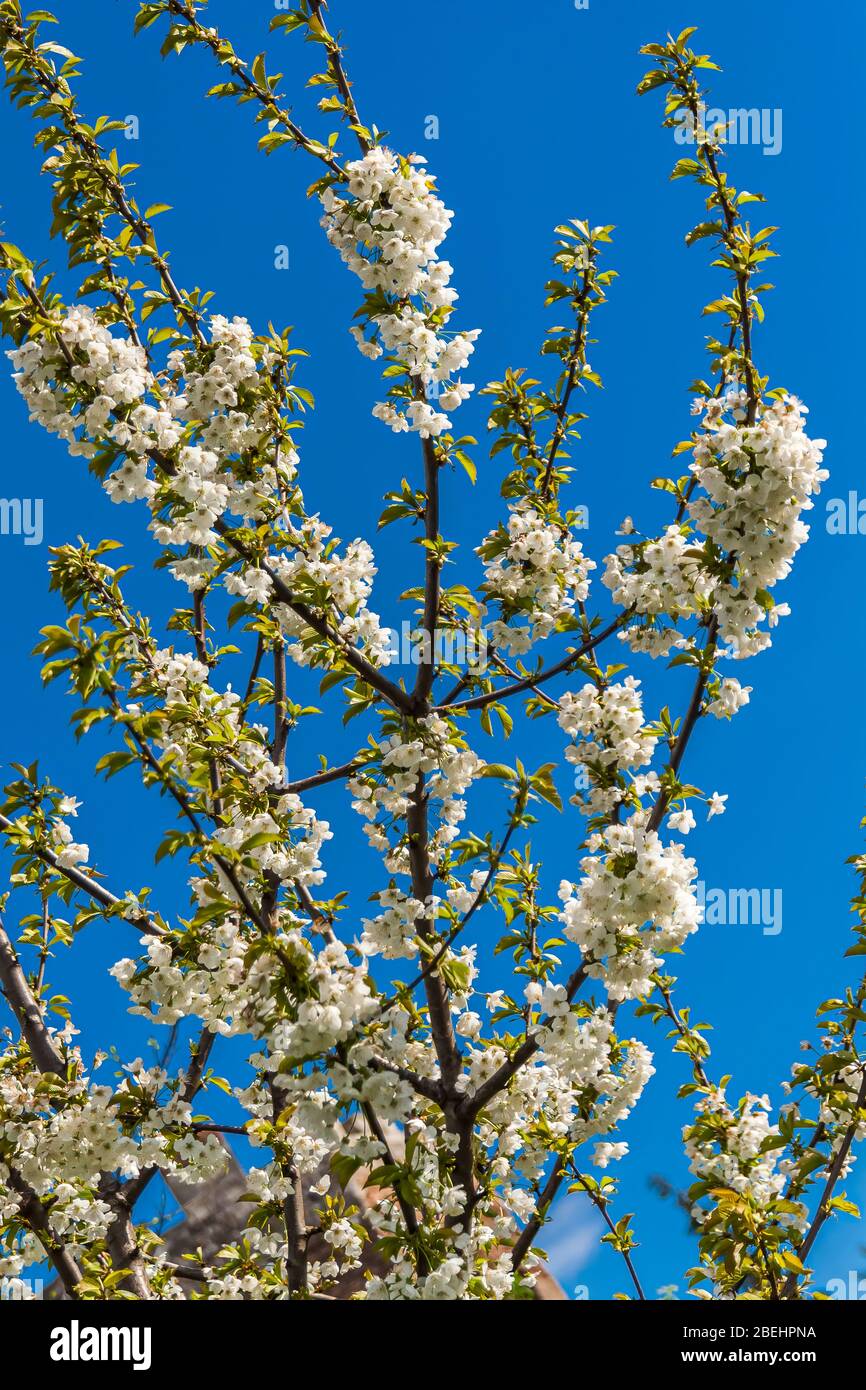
[[529, 682], [87, 885]]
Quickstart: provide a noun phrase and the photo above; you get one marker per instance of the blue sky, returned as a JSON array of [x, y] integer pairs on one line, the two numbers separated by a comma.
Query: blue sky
[[538, 122]]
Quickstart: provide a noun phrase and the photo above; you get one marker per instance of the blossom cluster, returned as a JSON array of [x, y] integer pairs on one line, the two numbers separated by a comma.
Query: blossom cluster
[[303, 1001], [751, 485], [275, 833], [740, 1155], [388, 231], [611, 739], [585, 1084], [660, 578], [197, 443], [428, 751], [636, 898], [61, 1135], [339, 582], [756, 481], [535, 571]]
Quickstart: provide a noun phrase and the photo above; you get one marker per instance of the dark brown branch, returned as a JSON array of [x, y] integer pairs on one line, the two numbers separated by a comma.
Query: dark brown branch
[[121, 1240], [432, 575], [474, 1103], [392, 693], [436, 991], [320, 779], [433, 964], [87, 885], [27, 1011], [238, 69], [200, 1053], [34, 1214], [561, 407], [338, 72], [527, 1236], [833, 1176], [599, 1202], [529, 682], [408, 1211], [688, 725]]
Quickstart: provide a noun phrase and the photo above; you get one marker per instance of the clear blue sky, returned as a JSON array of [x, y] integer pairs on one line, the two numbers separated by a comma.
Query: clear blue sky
[[538, 123]]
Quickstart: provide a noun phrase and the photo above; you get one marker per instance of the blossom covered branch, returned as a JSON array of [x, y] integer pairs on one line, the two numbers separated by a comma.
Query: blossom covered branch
[[373, 1047]]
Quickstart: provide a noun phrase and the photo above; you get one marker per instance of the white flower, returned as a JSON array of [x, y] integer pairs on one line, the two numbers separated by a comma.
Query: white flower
[[605, 1153], [683, 820], [731, 697]]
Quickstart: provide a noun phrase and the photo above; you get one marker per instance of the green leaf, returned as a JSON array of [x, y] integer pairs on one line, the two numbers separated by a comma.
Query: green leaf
[[501, 770], [703, 229]]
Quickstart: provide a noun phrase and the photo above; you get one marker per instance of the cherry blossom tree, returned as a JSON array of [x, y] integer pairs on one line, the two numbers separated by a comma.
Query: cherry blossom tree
[[374, 1050]]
